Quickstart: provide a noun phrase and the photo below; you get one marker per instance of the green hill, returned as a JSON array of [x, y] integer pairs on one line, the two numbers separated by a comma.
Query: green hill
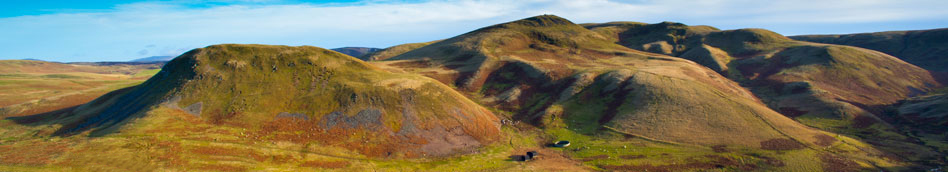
[[837, 88], [628, 96], [923, 48], [579, 84], [310, 92]]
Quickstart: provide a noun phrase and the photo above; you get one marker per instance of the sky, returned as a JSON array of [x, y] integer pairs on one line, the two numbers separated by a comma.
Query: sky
[[108, 30]]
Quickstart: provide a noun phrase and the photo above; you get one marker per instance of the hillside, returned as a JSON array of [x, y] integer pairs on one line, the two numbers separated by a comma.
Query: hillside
[[576, 83], [357, 52], [393, 51], [928, 113], [336, 99], [837, 88], [923, 48]]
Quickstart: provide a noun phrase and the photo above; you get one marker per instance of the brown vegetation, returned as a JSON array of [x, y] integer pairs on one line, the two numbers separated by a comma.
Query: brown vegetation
[[325, 164], [834, 163], [717, 162], [781, 144], [222, 167], [824, 140], [35, 153]]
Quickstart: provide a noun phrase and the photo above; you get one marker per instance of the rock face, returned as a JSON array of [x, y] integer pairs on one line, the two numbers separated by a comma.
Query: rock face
[[308, 92], [554, 73], [924, 48]]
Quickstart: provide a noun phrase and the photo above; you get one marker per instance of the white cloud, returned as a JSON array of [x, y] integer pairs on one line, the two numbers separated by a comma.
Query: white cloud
[[118, 34]]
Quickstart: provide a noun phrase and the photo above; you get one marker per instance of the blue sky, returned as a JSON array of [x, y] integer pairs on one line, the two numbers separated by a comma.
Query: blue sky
[[70, 31]]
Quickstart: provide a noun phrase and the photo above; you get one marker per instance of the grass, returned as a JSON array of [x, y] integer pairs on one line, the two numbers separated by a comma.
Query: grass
[[638, 111], [667, 100], [243, 88], [173, 140], [32, 91], [845, 83]]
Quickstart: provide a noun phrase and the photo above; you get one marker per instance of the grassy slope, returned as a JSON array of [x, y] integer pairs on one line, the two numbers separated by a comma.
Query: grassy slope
[[924, 48], [30, 87], [837, 88], [243, 88], [171, 140], [576, 83]]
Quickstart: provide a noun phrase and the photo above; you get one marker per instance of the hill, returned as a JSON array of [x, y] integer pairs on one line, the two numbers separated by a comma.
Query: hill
[[923, 48], [833, 87], [578, 84], [480, 100], [357, 52], [307, 92]]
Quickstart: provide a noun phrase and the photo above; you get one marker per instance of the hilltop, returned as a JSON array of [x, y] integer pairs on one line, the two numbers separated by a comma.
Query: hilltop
[[923, 48]]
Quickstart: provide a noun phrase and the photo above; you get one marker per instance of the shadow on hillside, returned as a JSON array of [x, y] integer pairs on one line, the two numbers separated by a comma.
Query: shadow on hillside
[[940, 77], [41, 118], [108, 111]]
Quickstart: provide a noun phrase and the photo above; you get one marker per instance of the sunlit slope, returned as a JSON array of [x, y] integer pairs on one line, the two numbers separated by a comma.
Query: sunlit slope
[[29, 87], [923, 48], [315, 95], [546, 68], [839, 88], [782, 67]]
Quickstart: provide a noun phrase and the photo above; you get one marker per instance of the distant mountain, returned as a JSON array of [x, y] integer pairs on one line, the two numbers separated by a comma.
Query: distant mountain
[[33, 59], [394, 51], [924, 48], [154, 59], [36, 66], [357, 52], [158, 63]]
